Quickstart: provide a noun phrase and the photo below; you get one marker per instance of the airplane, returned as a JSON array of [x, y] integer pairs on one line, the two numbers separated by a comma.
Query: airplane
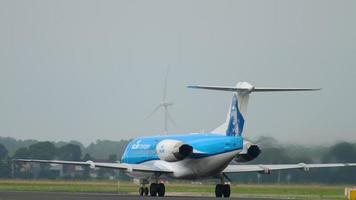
[[198, 155]]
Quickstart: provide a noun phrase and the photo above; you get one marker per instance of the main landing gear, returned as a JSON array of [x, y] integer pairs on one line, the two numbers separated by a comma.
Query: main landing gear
[[223, 189], [143, 191], [156, 189]]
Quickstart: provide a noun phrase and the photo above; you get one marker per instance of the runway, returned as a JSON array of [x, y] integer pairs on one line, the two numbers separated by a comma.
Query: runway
[[93, 196]]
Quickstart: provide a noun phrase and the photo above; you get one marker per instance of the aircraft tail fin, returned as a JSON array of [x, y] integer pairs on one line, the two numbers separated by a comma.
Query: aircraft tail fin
[[238, 110], [235, 119]]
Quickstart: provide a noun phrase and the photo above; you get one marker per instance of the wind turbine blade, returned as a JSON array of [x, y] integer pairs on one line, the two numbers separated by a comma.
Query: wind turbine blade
[[165, 85], [153, 111], [170, 118]]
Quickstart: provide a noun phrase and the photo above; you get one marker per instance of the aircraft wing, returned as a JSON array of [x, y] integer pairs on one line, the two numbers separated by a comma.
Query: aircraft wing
[[91, 164], [268, 168]]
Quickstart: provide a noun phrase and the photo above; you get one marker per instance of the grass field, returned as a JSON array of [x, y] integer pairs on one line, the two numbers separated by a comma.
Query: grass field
[[290, 191]]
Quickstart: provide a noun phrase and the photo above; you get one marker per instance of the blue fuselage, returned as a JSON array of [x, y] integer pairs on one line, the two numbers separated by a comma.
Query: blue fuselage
[[143, 149]]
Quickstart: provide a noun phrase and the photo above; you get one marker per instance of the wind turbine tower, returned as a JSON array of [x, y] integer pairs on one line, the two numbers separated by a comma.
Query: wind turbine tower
[[165, 105]]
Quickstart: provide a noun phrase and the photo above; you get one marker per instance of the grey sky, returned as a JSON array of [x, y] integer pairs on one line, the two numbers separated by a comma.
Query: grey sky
[[87, 70]]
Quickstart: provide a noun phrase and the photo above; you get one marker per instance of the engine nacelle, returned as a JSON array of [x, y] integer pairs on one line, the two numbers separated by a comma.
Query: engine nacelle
[[249, 152], [173, 150]]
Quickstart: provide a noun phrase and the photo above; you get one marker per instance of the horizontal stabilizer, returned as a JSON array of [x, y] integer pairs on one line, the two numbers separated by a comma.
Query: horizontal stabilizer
[[265, 89], [221, 88], [242, 90], [251, 89]]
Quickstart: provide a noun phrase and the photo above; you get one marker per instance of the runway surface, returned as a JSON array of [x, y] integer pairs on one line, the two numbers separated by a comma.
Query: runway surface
[[91, 196]]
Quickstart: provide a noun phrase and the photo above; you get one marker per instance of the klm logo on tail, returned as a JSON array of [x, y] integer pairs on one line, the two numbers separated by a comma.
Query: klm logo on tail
[[236, 120]]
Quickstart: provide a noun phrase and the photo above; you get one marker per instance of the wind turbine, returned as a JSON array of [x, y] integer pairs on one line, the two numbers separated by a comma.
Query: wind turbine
[[165, 105]]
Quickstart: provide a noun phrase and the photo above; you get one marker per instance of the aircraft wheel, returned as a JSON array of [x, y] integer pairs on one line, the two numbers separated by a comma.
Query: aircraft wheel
[[161, 189], [153, 189], [146, 191], [226, 191], [141, 191], [218, 190]]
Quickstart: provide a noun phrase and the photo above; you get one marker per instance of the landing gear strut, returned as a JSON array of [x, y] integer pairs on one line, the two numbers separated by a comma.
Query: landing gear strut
[[223, 189], [157, 189]]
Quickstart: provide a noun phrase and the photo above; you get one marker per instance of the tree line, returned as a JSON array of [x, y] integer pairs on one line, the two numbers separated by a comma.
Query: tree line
[[273, 152], [101, 150]]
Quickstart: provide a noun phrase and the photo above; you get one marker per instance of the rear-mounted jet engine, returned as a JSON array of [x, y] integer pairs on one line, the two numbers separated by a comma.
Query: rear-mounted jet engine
[[173, 150]]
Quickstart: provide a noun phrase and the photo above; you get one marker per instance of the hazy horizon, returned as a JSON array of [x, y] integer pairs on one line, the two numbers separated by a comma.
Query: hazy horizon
[[256, 140], [86, 70]]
